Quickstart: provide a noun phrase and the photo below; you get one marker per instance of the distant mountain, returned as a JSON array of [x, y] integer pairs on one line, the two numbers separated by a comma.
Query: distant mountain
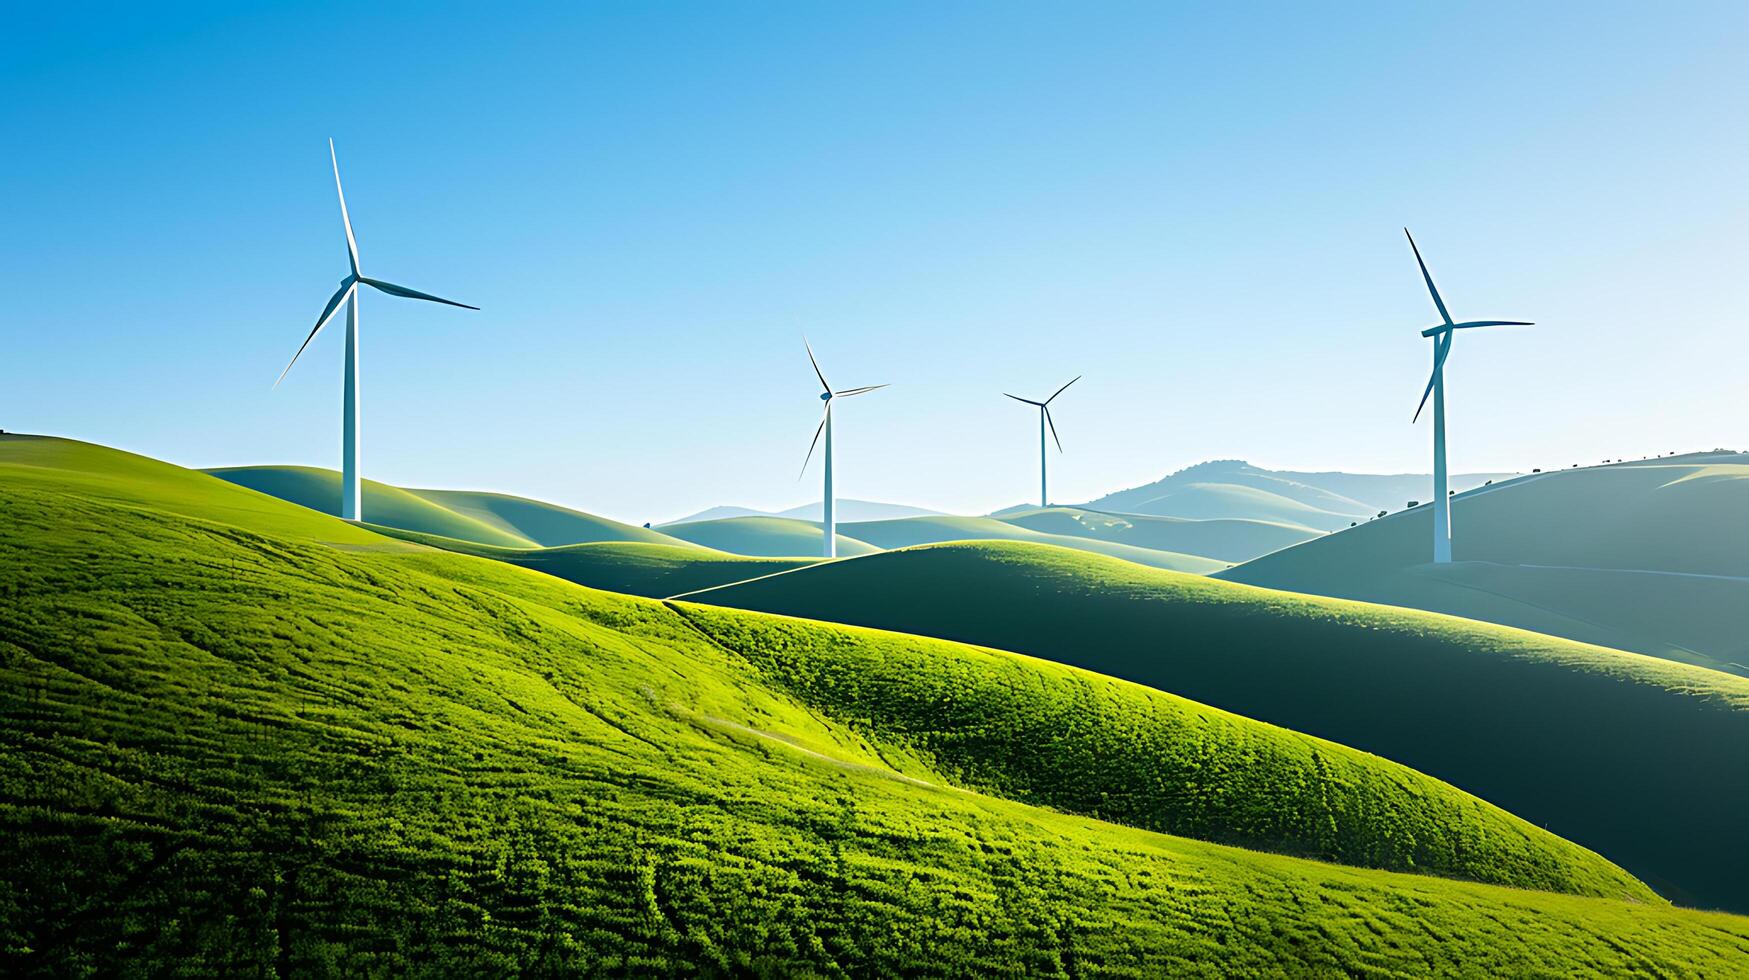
[[1233, 488], [1650, 556], [848, 510]]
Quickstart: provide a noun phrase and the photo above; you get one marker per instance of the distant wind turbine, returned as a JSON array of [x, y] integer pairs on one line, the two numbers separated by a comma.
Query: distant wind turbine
[[1044, 419], [350, 482], [827, 395], [1442, 335]]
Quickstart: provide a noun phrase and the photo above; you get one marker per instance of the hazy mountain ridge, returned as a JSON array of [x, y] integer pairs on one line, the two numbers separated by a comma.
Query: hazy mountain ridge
[[1234, 488]]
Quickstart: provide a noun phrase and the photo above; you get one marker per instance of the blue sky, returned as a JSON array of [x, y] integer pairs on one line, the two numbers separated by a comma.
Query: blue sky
[[1197, 209]]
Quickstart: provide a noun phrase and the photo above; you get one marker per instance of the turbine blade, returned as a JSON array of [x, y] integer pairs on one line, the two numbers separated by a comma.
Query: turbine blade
[[1026, 400], [394, 290], [1050, 422], [1442, 348], [1443, 315], [857, 391], [1424, 395], [346, 219], [1061, 390], [346, 289], [810, 457], [817, 372], [1492, 323]]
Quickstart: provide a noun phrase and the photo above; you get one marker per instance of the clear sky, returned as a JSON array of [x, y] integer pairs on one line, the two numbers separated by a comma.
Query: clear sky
[[1198, 209]]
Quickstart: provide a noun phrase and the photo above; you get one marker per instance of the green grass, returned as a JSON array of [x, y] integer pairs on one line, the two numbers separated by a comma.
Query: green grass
[[240, 737], [765, 537], [632, 567], [1637, 758], [1576, 553], [495, 519], [1038, 732]]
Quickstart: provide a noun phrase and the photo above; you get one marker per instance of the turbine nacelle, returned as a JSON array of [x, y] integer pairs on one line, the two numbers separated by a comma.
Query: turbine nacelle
[[826, 396], [349, 285], [1044, 408], [1441, 334]]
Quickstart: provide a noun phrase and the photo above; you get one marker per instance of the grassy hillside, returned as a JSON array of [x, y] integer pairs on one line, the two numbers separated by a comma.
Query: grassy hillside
[[1081, 742], [1648, 556], [493, 519], [1640, 759], [764, 537], [292, 746], [543, 524], [631, 567], [1224, 540], [929, 530], [319, 490]]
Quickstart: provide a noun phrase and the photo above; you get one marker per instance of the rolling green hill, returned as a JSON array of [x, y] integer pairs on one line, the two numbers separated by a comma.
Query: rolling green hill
[[908, 531], [1641, 759], [764, 537], [494, 519], [319, 490], [655, 571], [546, 525], [1650, 556], [1203, 546], [240, 737], [504, 521], [1224, 540]]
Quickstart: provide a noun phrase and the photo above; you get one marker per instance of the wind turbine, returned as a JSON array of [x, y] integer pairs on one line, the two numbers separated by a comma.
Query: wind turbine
[[1441, 336], [350, 483], [1044, 419], [827, 395]]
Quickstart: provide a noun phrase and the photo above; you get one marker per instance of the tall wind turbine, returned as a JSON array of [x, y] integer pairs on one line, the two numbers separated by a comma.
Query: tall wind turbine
[[1441, 336], [1044, 419], [350, 483], [827, 395]]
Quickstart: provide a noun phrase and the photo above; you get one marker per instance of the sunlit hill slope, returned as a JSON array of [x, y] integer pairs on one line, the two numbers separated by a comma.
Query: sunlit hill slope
[[1638, 758]]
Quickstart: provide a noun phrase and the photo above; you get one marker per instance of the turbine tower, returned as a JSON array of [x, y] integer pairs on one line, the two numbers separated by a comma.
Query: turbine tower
[[827, 395], [1044, 419], [1441, 336], [351, 496]]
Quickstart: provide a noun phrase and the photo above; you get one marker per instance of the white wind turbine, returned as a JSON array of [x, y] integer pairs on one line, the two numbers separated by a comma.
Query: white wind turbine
[[350, 481], [1044, 419], [1442, 335], [827, 395]]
